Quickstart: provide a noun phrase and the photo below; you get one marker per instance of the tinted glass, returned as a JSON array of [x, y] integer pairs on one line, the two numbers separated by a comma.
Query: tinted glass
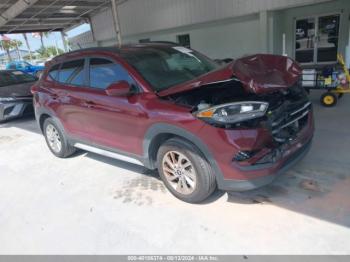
[[166, 66], [12, 66], [15, 77], [6, 79], [53, 73], [104, 72], [23, 77], [72, 71]]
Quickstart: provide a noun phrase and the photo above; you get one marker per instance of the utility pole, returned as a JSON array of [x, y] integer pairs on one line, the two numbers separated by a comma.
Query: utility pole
[[116, 22]]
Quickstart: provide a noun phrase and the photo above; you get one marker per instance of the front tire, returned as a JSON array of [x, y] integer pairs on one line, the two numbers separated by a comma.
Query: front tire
[[56, 139], [184, 171]]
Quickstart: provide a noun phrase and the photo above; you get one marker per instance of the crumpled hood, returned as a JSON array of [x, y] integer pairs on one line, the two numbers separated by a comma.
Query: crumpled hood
[[261, 73], [264, 73]]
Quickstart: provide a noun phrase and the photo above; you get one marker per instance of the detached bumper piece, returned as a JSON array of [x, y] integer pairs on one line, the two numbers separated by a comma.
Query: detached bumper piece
[[243, 185], [10, 110]]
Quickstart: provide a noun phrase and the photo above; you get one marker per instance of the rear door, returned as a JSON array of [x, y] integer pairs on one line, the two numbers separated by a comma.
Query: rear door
[[70, 106]]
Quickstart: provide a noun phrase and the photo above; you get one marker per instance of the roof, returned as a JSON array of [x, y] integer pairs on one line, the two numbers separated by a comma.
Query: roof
[[118, 50], [127, 47], [21, 16]]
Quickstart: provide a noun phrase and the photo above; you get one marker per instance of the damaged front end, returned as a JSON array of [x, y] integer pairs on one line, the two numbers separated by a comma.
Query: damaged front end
[[281, 110]]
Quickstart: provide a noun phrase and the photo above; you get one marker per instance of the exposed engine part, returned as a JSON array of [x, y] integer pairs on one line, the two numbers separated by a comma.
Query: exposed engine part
[[286, 115]]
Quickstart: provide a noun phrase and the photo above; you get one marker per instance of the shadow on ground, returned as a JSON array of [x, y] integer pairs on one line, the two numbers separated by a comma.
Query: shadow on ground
[[26, 123]]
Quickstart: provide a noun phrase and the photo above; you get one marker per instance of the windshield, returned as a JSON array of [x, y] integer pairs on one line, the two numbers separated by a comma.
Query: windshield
[[166, 66]]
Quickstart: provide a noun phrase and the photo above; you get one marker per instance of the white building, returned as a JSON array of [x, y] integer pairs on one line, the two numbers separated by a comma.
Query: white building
[[311, 31]]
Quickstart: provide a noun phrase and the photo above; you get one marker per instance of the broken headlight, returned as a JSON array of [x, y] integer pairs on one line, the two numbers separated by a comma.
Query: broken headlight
[[233, 112]]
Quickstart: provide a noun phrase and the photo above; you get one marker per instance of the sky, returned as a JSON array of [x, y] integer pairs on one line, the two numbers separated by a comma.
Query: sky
[[49, 41]]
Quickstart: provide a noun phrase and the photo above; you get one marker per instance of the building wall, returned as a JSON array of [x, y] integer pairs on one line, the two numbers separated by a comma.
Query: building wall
[[139, 16], [204, 37], [218, 28]]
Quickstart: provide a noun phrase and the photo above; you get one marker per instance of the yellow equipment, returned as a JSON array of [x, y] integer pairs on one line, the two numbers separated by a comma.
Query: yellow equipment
[[330, 98]]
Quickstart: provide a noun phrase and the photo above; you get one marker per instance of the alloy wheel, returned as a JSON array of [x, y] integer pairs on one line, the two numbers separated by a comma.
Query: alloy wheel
[[179, 172], [53, 138]]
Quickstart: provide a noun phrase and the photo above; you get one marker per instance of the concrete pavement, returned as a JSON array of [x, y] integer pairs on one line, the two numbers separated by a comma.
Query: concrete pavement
[[89, 204]]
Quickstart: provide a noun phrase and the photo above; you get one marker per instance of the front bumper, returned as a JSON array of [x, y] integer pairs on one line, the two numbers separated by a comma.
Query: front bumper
[[244, 185], [236, 176], [14, 109]]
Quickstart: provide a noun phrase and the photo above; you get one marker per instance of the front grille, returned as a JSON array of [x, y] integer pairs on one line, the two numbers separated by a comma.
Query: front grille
[[288, 119]]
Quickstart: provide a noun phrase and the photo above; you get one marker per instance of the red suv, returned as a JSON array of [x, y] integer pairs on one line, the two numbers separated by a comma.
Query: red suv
[[167, 107]]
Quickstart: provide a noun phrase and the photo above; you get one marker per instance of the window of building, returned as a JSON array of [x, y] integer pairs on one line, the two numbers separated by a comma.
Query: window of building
[[72, 72], [104, 72], [184, 40]]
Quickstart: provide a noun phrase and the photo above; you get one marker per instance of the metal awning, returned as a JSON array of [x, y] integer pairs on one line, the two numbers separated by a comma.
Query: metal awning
[[22, 16]]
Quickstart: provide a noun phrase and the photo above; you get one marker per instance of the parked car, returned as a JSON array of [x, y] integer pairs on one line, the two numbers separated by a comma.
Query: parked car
[[25, 67], [171, 108], [15, 96]]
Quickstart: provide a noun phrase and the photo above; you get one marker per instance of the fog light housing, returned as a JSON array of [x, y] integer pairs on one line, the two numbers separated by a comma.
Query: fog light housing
[[242, 156]]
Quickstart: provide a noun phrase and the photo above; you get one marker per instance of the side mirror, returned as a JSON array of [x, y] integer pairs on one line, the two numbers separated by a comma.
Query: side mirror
[[120, 88]]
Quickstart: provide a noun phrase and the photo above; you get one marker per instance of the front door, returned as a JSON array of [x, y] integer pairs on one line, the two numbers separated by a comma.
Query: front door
[[112, 121], [316, 39]]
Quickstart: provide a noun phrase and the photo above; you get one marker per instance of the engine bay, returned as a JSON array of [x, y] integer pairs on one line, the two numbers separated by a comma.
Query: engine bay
[[285, 116]]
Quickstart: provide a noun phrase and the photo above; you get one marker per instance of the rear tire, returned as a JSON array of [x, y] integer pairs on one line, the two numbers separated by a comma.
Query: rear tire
[[56, 139], [184, 171]]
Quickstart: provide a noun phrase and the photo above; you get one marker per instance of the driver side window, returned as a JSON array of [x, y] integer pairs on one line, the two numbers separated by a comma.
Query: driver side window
[[103, 72]]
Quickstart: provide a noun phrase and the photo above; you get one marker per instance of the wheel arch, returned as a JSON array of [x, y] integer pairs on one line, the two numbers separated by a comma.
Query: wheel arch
[[157, 134], [41, 114]]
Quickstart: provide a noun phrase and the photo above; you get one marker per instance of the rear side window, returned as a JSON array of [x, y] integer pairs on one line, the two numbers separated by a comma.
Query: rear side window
[[53, 73], [104, 72], [72, 72]]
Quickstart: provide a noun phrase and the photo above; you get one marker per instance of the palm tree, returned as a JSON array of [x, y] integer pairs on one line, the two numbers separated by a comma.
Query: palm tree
[[17, 44], [7, 45], [42, 35], [41, 40], [28, 46]]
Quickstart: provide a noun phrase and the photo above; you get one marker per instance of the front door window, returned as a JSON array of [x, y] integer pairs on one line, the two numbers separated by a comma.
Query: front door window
[[317, 39]]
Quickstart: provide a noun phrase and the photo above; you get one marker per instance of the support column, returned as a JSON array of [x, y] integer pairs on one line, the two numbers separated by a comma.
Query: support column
[[264, 31], [64, 41], [92, 31], [116, 22]]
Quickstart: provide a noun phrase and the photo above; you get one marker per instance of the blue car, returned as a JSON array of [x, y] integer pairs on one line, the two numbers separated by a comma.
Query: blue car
[[25, 67]]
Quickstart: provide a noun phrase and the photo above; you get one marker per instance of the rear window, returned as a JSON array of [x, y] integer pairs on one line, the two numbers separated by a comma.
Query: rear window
[[72, 72], [23, 77], [6, 79], [53, 72], [15, 77]]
